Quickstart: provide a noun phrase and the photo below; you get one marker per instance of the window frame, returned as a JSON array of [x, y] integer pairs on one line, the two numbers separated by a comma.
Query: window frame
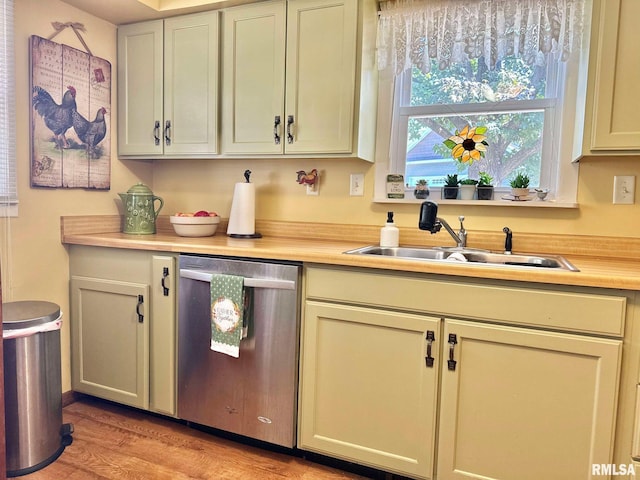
[[564, 124], [8, 160]]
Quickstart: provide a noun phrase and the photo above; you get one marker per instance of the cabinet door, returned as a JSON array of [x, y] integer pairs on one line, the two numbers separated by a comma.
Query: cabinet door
[[140, 89], [253, 42], [162, 369], [110, 341], [191, 84], [616, 124], [367, 394], [525, 404], [320, 80]]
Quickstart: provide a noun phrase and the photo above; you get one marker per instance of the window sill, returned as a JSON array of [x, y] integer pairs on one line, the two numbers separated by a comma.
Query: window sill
[[535, 203], [7, 211]]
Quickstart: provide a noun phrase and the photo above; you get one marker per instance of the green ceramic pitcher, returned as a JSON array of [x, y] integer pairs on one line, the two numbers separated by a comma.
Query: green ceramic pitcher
[[139, 210]]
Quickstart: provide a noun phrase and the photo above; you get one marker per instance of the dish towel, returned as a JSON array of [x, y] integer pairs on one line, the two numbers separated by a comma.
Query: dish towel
[[247, 316], [227, 312]]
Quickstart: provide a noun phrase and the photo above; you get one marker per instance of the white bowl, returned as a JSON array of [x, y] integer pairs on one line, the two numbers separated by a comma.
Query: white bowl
[[194, 226]]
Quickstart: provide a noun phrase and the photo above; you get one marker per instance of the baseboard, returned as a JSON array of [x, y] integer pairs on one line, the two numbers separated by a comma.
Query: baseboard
[[69, 397]]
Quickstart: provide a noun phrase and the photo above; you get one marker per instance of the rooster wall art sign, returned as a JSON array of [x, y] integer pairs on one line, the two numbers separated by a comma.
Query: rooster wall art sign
[[70, 124]]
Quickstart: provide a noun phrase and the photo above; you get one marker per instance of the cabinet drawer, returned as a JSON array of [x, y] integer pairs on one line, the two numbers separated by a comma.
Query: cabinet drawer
[[582, 310]]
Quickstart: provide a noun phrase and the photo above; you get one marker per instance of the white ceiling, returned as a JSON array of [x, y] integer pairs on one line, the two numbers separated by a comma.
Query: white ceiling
[[120, 12]]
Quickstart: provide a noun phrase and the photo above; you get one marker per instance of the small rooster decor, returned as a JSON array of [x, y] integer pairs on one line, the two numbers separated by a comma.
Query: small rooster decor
[[305, 178]]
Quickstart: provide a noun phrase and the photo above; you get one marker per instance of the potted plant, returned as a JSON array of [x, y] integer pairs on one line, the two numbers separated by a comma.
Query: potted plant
[[450, 189], [467, 188], [485, 186], [520, 185], [422, 189]]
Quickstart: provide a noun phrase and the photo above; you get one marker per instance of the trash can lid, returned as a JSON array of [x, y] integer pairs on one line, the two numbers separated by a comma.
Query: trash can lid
[[28, 313]]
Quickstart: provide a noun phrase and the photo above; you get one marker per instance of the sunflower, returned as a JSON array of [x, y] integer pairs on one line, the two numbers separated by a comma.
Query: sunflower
[[468, 145]]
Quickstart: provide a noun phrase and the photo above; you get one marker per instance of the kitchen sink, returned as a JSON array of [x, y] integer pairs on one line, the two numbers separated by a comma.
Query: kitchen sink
[[403, 252], [473, 256]]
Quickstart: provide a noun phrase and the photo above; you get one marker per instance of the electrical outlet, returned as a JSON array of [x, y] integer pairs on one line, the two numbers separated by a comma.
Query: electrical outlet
[[624, 187], [356, 184]]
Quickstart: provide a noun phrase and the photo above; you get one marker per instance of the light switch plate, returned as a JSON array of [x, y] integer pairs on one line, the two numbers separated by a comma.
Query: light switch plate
[[356, 184], [624, 187]]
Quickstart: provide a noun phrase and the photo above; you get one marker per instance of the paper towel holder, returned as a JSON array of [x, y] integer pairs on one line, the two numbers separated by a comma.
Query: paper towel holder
[[242, 206]]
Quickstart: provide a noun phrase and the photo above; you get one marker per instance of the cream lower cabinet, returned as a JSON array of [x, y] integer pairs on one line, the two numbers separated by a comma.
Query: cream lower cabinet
[[123, 326], [497, 401], [524, 404], [368, 393]]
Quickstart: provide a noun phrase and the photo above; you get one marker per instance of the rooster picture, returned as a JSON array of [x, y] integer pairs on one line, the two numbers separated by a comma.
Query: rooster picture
[[90, 133], [56, 117], [70, 125]]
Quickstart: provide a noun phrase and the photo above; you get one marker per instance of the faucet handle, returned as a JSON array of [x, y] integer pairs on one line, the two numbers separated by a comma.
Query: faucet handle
[[508, 241], [462, 233]]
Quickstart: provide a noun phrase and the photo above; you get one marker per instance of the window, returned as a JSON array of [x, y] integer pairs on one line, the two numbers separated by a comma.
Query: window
[[510, 101], [8, 188], [448, 75]]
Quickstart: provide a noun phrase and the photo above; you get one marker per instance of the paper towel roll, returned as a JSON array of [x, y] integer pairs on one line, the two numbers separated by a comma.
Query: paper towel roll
[[242, 219]]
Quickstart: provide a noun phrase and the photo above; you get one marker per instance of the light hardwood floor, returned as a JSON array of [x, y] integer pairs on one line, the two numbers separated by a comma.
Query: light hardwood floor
[[115, 442]]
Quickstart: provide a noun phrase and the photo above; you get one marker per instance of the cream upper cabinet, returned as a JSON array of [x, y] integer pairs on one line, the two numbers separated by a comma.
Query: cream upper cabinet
[[389, 379], [298, 78], [140, 89], [525, 404], [612, 123], [168, 87], [253, 42]]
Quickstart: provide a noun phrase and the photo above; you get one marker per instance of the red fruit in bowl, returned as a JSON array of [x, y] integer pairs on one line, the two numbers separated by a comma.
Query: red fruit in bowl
[[201, 213]]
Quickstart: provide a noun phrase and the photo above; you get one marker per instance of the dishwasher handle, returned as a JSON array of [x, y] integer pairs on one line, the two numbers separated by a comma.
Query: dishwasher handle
[[205, 276]]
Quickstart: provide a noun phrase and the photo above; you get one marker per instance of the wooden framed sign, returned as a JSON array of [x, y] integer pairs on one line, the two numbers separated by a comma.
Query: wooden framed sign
[[70, 121]]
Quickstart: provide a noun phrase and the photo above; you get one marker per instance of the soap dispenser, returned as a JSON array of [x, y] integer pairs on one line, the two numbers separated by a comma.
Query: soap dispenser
[[389, 234]]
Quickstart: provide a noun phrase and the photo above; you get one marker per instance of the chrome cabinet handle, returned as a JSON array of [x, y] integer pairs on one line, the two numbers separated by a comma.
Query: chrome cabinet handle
[[165, 274], [289, 123], [156, 133], [167, 132], [430, 338], [276, 130], [140, 303], [451, 363]]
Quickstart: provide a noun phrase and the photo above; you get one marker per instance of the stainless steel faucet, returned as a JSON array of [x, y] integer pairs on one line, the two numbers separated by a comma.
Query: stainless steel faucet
[[431, 222], [461, 237]]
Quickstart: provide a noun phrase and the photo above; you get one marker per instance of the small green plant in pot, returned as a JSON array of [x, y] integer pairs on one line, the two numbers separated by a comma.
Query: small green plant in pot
[[467, 188], [485, 186], [450, 189], [422, 189], [520, 185]]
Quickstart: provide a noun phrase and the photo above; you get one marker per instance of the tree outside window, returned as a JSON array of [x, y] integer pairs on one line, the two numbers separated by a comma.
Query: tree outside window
[[510, 100]]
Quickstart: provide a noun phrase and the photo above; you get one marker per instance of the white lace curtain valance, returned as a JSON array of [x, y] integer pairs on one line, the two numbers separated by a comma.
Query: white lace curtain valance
[[412, 32]]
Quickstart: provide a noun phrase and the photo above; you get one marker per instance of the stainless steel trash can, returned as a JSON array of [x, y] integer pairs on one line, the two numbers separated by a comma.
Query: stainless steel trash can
[[34, 433]]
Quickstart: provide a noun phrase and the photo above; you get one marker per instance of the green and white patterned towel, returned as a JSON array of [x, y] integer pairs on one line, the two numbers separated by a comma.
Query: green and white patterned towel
[[227, 305]]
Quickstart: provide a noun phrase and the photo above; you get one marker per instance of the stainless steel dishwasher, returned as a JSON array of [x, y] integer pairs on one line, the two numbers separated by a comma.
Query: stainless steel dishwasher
[[254, 395]]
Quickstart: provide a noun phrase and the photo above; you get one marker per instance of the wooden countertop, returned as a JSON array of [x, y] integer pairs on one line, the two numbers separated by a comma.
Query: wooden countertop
[[605, 262]]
